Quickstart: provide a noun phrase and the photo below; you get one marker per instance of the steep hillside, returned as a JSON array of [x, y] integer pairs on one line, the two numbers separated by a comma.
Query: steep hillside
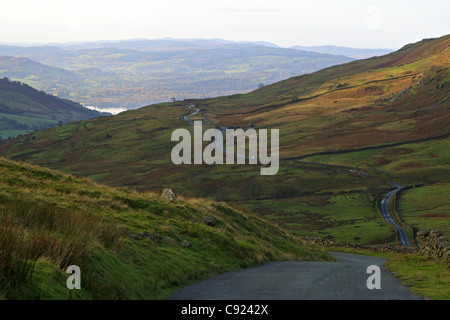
[[128, 245], [345, 132], [24, 109]]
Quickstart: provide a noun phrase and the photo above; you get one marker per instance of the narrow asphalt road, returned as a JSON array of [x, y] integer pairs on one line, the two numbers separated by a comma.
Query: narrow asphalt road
[[384, 207], [345, 279]]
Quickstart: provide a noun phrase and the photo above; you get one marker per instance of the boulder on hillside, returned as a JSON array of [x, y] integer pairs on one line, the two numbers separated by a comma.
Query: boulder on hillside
[[185, 244], [169, 195], [210, 221]]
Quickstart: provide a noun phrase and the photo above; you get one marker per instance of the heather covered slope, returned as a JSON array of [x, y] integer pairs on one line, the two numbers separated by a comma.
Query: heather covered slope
[[399, 96]]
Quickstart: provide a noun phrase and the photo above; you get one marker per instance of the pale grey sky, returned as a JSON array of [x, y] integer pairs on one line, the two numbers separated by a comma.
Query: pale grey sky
[[355, 23]]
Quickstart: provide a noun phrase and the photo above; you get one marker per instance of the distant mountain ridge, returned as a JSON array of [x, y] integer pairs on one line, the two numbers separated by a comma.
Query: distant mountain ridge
[[134, 73], [355, 53], [167, 44], [140, 44]]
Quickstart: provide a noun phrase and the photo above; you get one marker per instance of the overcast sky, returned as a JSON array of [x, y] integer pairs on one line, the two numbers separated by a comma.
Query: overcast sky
[[356, 23]]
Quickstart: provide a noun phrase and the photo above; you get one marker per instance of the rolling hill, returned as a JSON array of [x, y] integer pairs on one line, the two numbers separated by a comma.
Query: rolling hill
[[345, 132], [24, 109], [130, 74]]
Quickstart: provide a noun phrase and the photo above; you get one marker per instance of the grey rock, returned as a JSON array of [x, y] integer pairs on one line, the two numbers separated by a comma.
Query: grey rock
[[185, 244], [169, 195], [149, 236], [170, 241], [134, 236], [210, 221]]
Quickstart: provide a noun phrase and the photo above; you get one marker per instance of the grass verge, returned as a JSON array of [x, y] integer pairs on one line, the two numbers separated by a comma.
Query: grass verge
[[426, 278]]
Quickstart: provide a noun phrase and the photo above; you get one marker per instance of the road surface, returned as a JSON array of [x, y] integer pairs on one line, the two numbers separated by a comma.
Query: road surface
[[384, 207], [345, 279]]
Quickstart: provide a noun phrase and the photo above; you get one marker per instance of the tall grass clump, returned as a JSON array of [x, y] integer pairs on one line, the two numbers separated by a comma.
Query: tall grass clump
[[31, 230]]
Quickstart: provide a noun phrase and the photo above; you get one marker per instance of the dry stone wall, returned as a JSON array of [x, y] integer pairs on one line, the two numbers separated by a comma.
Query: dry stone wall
[[434, 244], [430, 243]]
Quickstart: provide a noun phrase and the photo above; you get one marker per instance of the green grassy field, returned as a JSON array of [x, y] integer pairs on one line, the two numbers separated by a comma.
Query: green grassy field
[[426, 207], [414, 163], [342, 218]]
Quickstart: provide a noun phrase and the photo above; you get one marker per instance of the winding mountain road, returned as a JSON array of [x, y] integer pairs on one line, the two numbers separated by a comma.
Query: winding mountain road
[[384, 207], [385, 202], [345, 279]]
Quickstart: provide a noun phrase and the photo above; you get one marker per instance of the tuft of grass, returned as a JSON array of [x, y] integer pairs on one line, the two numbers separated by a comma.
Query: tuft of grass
[[426, 278], [31, 230]]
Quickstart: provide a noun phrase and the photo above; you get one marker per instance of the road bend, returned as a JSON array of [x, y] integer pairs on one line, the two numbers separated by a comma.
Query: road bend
[[384, 207]]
